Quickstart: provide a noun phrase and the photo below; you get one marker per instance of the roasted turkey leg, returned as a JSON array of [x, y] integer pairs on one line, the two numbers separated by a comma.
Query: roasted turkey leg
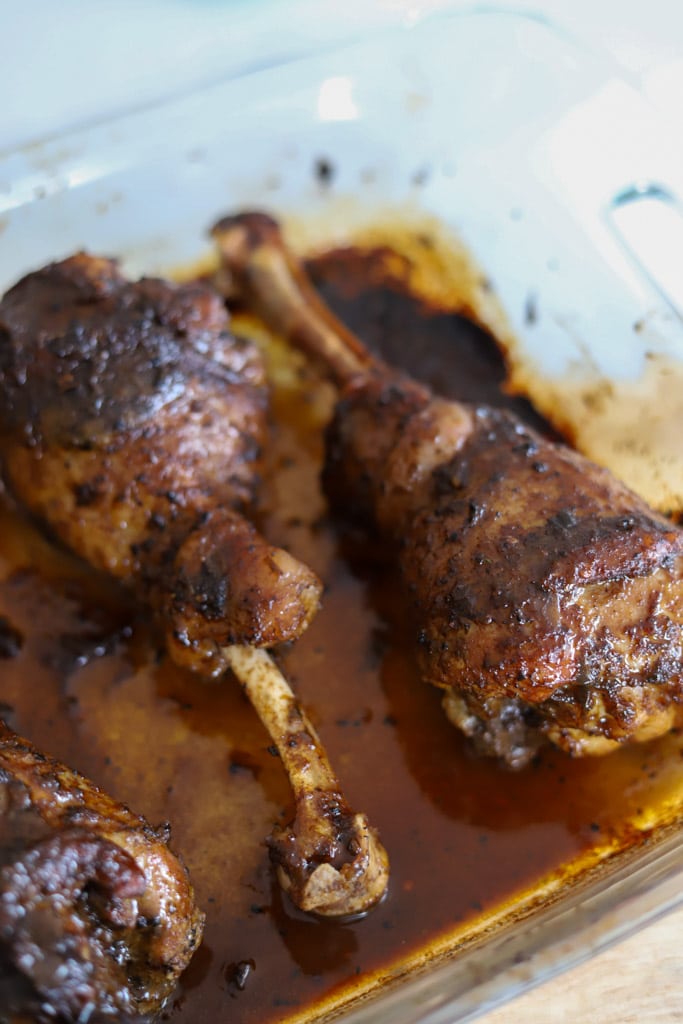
[[548, 598], [97, 916], [131, 427]]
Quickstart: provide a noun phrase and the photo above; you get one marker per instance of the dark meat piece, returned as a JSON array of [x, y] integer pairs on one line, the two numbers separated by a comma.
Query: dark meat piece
[[548, 597], [97, 916], [131, 425]]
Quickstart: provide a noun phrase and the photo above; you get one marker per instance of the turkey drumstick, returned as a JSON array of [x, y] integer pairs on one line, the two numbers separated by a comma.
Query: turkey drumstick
[[548, 598], [131, 426], [97, 916]]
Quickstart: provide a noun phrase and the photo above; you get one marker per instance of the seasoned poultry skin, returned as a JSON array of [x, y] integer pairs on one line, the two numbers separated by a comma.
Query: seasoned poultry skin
[[131, 425], [97, 915], [547, 597]]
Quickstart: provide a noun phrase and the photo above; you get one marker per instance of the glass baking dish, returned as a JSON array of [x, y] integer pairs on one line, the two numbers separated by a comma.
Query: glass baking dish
[[527, 147]]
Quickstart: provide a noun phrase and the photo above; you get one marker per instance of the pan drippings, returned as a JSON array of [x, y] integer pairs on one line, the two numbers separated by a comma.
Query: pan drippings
[[87, 678]]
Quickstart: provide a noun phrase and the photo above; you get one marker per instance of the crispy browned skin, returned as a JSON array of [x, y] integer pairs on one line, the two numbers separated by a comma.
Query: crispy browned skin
[[97, 916], [548, 598], [131, 424]]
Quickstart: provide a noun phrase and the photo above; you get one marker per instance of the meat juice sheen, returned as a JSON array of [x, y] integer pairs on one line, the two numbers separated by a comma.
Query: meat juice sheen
[[85, 676]]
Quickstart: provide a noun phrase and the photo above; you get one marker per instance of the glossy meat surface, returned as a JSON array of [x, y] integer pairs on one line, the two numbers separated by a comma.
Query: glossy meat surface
[[131, 425], [549, 598], [97, 915], [465, 835]]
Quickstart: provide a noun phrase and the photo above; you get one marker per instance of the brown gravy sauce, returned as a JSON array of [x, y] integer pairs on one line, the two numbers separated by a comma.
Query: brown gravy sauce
[[85, 677]]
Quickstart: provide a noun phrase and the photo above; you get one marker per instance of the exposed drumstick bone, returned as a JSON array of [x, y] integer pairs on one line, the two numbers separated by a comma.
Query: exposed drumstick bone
[[329, 859], [547, 598], [157, 499], [258, 268]]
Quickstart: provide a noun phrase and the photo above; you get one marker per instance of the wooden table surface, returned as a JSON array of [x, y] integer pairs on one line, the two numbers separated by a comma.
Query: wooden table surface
[[639, 981]]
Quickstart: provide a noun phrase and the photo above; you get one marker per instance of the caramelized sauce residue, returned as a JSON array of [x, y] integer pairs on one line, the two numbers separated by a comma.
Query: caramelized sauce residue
[[86, 678]]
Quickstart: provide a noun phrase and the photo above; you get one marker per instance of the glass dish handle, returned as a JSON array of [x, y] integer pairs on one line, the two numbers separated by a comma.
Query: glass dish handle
[[647, 221]]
